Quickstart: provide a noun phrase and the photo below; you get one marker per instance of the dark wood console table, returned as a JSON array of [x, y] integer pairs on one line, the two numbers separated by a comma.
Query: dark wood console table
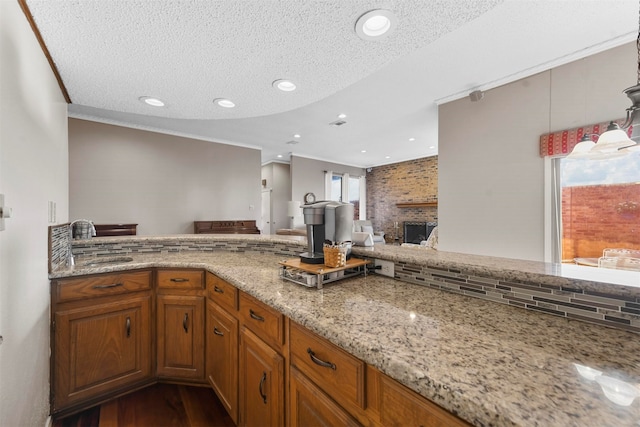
[[225, 227], [116, 229]]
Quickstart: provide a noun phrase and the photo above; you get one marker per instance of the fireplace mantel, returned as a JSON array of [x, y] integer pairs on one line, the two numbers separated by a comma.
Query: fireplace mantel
[[417, 204]]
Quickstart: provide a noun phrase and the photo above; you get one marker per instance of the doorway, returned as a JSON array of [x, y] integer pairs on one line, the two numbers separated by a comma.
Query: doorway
[[266, 224]]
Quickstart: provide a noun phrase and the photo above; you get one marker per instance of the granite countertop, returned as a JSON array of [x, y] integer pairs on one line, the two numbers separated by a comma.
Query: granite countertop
[[492, 364]]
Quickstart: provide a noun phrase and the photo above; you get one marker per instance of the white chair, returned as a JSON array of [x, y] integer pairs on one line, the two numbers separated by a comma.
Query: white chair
[[365, 226], [619, 263], [626, 253]]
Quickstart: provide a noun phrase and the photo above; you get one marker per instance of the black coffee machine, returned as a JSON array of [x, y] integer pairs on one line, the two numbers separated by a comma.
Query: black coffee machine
[[327, 220]]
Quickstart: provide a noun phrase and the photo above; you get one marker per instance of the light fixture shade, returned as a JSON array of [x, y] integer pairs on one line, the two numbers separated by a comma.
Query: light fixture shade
[[633, 148], [612, 139], [582, 150]]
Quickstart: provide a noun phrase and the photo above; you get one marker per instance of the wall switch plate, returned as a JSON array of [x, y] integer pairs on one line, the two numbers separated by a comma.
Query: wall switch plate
[[52, 212], [5, 212], [386, 267]]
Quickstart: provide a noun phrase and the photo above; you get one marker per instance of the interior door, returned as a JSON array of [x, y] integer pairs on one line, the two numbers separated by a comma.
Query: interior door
[[266, 224]]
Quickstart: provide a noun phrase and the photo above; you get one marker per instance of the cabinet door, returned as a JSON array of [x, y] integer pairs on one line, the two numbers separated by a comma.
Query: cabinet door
[[180, 333], [404, 408], [261, 383], [222, 357], [310, 407], [100, 348]]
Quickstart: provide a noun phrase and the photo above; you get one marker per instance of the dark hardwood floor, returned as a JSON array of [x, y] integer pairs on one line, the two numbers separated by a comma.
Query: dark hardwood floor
[[155, 406]]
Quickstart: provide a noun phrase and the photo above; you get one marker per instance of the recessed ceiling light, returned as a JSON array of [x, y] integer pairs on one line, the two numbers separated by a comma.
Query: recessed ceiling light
[[223, 102], [375, 24], [297, 135], [412, 139], [342, 116], [432, 147], [151, 101], [279, 156], [284, 85], [387, 157], [363, 151]]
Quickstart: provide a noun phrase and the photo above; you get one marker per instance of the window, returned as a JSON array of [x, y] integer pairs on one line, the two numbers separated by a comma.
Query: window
[[336, 188], [341, 187], [599, 205]]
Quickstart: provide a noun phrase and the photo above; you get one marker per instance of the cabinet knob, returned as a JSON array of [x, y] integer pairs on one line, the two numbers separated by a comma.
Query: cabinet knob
[[185, 323], [128, 326]]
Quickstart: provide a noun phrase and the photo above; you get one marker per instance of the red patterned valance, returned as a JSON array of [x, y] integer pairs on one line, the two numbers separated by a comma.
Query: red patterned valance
[[561, 143]]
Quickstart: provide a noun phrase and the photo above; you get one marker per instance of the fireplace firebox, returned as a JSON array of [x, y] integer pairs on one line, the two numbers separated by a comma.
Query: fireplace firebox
[[416, 232]]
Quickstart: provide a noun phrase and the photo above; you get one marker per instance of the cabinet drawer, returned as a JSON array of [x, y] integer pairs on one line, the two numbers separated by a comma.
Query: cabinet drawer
[[181, 279], [263, 320], [223, 293], [103, 285], [335, 371]]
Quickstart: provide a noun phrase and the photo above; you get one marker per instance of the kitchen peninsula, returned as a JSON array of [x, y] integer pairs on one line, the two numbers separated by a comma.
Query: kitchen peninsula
[[490, 364]]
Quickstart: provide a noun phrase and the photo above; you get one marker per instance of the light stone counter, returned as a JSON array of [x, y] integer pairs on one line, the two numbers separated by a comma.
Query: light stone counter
[[492, 364]]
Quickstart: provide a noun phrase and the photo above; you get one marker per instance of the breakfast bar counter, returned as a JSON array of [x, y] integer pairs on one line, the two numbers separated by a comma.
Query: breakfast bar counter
[[490, 364]]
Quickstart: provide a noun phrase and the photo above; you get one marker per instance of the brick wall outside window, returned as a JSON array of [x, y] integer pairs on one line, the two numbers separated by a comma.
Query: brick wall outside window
[[595, 217]]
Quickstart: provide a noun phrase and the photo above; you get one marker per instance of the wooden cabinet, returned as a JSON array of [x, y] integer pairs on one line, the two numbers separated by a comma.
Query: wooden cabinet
[[337, 372], [180, 336], [222, 293], [261, 382], [100, 344], [263, 320], [222, 356], [309, 406], [255, 359], [180, 323], [402, 407]]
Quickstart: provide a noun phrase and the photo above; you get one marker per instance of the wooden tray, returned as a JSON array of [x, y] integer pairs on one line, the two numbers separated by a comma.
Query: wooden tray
[[321, 270]]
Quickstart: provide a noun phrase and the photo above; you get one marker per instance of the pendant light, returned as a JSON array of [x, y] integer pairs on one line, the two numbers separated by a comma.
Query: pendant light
[[615, 142]]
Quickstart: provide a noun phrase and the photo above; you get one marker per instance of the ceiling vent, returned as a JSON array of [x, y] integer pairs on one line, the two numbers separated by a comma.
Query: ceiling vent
[[337, 123], [292, 142]]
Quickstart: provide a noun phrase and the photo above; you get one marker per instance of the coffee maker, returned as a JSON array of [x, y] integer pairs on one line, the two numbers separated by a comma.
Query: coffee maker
[[326, 221]]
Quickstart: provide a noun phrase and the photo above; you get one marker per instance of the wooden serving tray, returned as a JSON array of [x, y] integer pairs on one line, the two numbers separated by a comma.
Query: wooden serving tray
[[321, 268]]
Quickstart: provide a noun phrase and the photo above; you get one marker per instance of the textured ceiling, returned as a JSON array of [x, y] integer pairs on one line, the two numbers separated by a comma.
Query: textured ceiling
[[110, 53]]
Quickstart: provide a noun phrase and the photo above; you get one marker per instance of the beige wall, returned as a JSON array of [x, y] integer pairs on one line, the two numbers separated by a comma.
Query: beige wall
[[491, 195], [33, 171], [161, 182]]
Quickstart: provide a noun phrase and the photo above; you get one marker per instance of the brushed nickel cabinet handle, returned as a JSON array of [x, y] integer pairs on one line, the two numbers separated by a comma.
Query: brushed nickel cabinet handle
[[178, 280], [217, 332], [218, 290], [320, 362], [111, 285], [185, 323], [262, 395], [255, 316], [128, 326]]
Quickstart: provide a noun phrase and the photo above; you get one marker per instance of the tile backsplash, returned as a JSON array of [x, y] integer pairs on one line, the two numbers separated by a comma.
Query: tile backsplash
[[616, 311], [59, 236]]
